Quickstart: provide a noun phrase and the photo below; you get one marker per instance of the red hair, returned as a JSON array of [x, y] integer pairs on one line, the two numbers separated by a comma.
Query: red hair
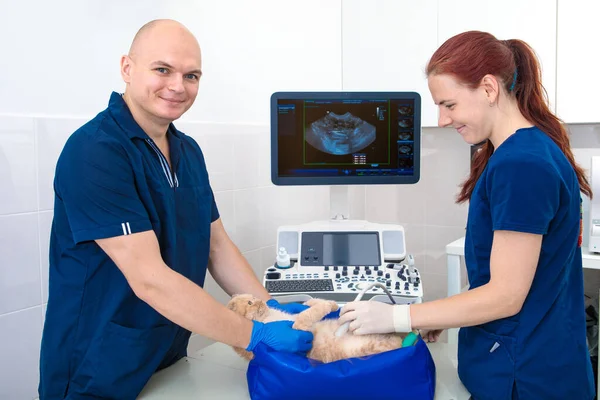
[[469, 56]]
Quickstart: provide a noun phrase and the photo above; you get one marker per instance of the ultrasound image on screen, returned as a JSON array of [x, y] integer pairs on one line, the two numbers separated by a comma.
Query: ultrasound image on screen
[[340, 134], [405, 163], [405, 123], [405, 136], [405, 110], [405, 149], [336, 131]]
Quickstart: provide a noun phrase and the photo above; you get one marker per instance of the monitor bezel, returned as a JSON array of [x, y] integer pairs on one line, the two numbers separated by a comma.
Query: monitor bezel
[[345, 180]]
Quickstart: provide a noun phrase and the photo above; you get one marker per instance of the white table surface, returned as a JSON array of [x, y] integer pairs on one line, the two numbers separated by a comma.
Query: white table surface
[[217, 372]]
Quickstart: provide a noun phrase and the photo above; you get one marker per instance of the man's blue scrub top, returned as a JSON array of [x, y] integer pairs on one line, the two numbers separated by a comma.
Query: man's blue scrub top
[[100, 340], [540, 353]]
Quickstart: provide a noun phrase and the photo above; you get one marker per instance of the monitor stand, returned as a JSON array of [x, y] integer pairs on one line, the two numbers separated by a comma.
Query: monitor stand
[[339, 206]]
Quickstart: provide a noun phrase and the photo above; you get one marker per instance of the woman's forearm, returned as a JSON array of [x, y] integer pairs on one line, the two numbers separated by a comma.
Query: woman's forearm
[[474, 307]]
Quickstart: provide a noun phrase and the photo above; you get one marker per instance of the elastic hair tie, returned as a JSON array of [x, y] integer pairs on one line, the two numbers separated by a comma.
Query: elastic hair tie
[[512, 86]]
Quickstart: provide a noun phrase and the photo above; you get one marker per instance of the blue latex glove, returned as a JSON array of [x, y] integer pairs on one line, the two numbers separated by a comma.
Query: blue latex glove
[[280, 336], [333, 314], [290, 308]]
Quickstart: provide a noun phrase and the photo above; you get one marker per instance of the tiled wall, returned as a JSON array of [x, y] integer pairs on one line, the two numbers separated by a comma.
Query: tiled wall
[[251, 208]]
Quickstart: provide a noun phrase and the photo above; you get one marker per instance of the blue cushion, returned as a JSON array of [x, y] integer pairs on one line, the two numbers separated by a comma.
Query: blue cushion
[[407, 373]]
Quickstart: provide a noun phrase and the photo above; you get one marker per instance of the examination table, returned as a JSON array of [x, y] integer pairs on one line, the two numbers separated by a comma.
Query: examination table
[[217, 372]]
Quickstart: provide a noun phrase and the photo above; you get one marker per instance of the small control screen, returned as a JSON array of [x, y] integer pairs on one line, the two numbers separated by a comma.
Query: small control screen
[[342, 248]]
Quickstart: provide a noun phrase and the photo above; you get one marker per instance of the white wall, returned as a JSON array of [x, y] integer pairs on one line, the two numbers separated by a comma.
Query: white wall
[[67, 54], [59, 64]]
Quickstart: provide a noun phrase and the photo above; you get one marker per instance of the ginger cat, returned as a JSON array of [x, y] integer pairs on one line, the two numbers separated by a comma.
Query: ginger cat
[[326, 346]]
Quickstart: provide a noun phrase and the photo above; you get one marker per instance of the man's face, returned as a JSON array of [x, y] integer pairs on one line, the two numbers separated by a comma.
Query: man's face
[[163, 74]]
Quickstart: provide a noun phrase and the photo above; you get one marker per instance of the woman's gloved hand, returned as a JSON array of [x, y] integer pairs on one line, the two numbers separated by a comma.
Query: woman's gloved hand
[[367, 317], [290, 308], [280, 336]]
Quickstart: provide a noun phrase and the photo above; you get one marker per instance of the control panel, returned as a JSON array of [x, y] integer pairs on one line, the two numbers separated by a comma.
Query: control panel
[[342, 283], [338, 260]]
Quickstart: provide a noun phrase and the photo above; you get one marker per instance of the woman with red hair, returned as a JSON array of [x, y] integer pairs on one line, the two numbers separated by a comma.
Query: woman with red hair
[[523, 324]]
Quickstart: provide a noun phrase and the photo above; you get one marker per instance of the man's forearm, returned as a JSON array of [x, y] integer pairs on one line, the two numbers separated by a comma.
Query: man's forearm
[[229, 267], [233, 273], [171, 294], [188, 305]]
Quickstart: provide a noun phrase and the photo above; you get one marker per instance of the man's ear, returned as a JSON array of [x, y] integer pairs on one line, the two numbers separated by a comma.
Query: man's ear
[[491, 88], [126, 68]]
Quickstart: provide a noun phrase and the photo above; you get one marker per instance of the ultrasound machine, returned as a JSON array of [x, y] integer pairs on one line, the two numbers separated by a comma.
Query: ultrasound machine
[[341, 139]]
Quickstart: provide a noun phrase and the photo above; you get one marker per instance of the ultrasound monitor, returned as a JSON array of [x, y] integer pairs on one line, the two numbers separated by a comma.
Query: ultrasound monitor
[[345, 138]]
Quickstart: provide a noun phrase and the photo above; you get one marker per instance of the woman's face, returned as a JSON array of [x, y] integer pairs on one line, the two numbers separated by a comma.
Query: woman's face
[[462, 108]]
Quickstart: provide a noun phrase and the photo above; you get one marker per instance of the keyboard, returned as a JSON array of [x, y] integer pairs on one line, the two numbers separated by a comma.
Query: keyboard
[[303, 285]]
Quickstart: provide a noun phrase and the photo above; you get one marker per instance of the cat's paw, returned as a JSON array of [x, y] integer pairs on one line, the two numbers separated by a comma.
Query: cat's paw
[[313, 302], [248, 355], [330, 304], [302, 325], [334, 306]]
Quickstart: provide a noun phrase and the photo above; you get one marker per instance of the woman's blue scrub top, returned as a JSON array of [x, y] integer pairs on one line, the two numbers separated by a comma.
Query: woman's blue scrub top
[[100, 340], [541, 352]]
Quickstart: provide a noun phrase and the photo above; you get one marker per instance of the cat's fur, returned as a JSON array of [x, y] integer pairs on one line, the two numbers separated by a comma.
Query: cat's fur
[[326, 346]]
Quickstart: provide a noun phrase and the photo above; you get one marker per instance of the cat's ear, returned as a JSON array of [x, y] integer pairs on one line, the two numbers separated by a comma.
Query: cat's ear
[[232, 304]]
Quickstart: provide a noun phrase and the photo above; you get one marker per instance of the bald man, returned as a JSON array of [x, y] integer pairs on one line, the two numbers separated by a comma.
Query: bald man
[[135, 229]]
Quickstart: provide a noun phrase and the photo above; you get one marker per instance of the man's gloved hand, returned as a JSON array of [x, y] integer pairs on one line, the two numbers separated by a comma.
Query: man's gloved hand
[[375, 317], [290, 308], [280, 336]]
